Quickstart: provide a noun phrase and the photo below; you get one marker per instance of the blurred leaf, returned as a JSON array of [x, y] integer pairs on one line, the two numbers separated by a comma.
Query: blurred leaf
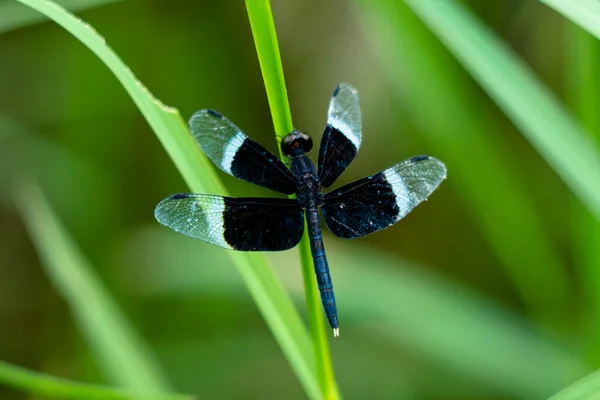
[[14, 15], [583, 88], [480, 168], [7, 126], [255, 362], [58, 169], [121, 354], [587, 388], [520, 94], [445, 323], [392, 300], [166, 122], [47, 385], [585, 13]]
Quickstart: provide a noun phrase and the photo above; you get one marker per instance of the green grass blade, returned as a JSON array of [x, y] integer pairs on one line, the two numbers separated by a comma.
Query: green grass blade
[[448, 114], [265, 39], [39, 384], [585, 13], [522, 97], [121, 354], [14, 15], [166, 122], [587, 388]]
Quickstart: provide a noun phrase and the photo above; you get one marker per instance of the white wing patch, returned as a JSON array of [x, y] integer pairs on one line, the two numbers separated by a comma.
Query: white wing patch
[[230, 151], [346, 129], [197, 216], [404, 197], [344, 113], [216, 233]]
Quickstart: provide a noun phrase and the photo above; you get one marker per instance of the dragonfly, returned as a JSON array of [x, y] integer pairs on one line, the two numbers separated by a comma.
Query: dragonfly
[[273, 224]]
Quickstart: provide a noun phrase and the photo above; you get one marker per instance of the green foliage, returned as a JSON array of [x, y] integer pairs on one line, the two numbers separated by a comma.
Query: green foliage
[[529, 105], [121, 354], [501, 298], [44, 385], [454, 328], [448, 113], [14, 15], [265, 40], [585, 13], [582, 83], [584, 389]]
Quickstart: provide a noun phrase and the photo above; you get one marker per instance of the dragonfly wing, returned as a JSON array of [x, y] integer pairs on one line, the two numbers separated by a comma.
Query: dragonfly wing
[[342, 136], [246, 224], [379, 201], [233, 152]]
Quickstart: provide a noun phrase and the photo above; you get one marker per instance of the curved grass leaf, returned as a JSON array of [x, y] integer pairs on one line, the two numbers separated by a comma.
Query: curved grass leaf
[[121, 354], [14, 15], [172, 131], [585, 13], [587, 388], [520, 94], [45, 385]]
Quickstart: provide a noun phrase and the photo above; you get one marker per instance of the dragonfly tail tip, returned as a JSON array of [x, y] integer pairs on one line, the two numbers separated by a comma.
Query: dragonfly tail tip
[[336, 332]]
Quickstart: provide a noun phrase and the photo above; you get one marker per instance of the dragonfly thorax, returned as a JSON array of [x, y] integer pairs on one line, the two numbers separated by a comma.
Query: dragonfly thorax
[[296, 141]]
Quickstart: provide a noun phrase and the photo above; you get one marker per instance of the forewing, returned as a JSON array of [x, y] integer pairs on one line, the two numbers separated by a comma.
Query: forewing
[[378, 201], [342, 136], [246, 224], [233, 152]]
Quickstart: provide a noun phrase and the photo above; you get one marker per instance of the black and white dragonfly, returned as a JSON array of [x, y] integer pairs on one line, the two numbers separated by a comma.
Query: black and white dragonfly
[[272, 224]]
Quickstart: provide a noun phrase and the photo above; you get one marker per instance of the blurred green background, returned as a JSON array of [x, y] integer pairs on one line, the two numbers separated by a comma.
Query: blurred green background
[[487, 291]]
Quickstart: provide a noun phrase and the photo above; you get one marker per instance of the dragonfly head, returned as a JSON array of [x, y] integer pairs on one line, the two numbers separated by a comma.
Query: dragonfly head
[[295, 141]]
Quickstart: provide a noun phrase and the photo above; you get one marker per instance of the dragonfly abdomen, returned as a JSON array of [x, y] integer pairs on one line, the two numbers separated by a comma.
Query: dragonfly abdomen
[[322, 268]]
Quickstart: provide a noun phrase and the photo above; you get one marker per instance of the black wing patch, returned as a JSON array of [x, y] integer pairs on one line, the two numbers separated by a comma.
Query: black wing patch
[[342, 136], [246, 224], [378, 201], [233, 152]]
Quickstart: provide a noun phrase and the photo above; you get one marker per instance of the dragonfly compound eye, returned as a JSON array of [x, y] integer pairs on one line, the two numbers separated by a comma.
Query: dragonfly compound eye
[[296, 140]]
